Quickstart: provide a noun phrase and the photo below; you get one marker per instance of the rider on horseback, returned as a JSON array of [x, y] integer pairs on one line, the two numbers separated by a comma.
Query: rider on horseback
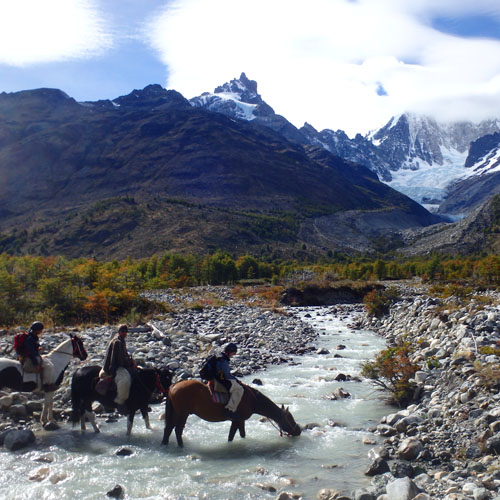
[[224, 377], [119, 365], [30, 355]]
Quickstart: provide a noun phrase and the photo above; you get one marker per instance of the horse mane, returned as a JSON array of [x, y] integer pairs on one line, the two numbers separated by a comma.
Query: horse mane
[[260, 397], [56, 349]]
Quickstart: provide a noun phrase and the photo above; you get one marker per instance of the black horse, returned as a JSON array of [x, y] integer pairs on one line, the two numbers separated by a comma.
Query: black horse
[[145, 383]]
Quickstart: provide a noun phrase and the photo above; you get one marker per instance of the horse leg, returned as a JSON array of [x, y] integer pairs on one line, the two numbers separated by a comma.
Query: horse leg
[[169, 422], [179, 428], [241, 428], [130, 422], [232, 430], [91, 416], [145, 416], [47, 415]]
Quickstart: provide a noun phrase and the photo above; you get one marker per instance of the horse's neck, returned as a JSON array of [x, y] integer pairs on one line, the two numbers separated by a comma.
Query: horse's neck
[[60, 357], [265, 407]]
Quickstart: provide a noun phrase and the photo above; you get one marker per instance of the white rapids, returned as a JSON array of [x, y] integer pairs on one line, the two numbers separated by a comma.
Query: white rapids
[[67, 464]]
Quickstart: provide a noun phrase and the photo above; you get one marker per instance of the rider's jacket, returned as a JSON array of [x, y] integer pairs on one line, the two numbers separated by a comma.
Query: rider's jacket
[[117, 356], [222, 368], [32, 349]]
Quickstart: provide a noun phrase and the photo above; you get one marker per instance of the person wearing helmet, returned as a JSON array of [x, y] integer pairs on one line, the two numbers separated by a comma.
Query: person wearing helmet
[[119, 365], [228, 380], [30, 357]]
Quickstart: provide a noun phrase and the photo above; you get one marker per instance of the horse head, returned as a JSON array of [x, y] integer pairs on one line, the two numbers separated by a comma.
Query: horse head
[[78, 347], [163, 379], [287, 423]]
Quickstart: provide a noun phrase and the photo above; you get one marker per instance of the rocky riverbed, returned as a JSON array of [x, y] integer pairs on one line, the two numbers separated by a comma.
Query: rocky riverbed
[[443, 446], [180, 340], [447, 443]]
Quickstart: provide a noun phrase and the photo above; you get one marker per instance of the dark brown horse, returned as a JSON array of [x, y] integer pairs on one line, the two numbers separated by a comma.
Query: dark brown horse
[[192, 396]]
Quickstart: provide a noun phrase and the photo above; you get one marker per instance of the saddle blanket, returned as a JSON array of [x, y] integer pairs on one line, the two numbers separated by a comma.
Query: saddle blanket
[[220, 397]]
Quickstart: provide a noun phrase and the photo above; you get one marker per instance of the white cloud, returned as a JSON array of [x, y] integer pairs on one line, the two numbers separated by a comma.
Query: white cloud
[[35, 31], [323, 61]]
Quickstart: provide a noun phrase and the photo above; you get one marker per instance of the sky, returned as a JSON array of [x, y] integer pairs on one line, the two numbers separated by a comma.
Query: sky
[[336, 64]]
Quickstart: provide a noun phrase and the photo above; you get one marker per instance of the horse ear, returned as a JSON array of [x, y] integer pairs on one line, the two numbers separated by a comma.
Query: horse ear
[[282, 407]]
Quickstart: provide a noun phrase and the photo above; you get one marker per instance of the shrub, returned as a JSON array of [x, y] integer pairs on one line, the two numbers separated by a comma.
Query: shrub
[[393, 371], [378, 302]]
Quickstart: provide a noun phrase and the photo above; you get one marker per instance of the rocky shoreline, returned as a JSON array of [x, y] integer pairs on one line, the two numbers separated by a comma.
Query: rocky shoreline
[[446, 444]]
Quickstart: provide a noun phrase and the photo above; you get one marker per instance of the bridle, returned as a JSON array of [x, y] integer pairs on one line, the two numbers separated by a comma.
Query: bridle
[[78, 349], [159, 385]]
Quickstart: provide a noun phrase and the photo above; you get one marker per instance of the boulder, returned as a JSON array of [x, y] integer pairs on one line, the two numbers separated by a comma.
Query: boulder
[[18, 411], [409, 449], [493, 444], [17, 439], [378, 466], [117, 492], [402, 489]]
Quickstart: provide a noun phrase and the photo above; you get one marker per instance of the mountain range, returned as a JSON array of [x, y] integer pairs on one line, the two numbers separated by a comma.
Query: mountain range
[[416, 155], [151, 172]]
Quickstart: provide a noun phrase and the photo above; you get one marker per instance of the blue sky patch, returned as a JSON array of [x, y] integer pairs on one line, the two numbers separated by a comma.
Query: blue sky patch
[[468, 26]]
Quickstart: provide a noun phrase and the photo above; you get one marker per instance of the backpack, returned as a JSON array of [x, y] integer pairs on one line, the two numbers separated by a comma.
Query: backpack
[[208, 369], [19, 341]]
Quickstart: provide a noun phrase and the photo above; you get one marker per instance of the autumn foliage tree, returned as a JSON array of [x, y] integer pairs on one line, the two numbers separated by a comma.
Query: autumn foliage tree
[[393, 371]]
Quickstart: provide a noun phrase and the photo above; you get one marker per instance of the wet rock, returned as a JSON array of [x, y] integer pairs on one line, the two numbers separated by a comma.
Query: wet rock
[[117, 492], [6, 402], [267, 487], [328, 494], [378, 466], [123, 452], [51, 426], [40, 474], [18, 411], [58, 477], [18, 439]]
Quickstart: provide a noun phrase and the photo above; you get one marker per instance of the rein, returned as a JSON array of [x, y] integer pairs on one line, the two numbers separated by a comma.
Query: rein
[[275, 425], [253, 393], [159, 385]]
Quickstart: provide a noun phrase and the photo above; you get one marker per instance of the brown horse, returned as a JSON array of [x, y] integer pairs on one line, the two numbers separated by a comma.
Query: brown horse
[[192, 396]]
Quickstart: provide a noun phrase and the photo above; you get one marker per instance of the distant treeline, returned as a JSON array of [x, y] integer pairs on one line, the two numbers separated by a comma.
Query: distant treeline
[[63, 292]]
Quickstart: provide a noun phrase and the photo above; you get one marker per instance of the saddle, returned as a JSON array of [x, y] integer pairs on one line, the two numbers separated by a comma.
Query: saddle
[[40, 379], [105, 385], [218, 392]]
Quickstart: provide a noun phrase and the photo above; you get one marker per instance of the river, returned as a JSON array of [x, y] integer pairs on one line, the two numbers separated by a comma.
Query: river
[[332, 455]]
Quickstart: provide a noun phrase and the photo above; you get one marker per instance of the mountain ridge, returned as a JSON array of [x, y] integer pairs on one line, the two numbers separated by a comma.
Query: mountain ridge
[[406, 144], [92, 177]]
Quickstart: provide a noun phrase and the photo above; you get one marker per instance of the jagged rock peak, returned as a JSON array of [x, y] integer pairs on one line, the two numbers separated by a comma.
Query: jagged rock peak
[[243, 87]]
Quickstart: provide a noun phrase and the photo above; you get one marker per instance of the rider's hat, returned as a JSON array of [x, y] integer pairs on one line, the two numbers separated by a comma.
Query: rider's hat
[[231, 347], [37, 326]]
